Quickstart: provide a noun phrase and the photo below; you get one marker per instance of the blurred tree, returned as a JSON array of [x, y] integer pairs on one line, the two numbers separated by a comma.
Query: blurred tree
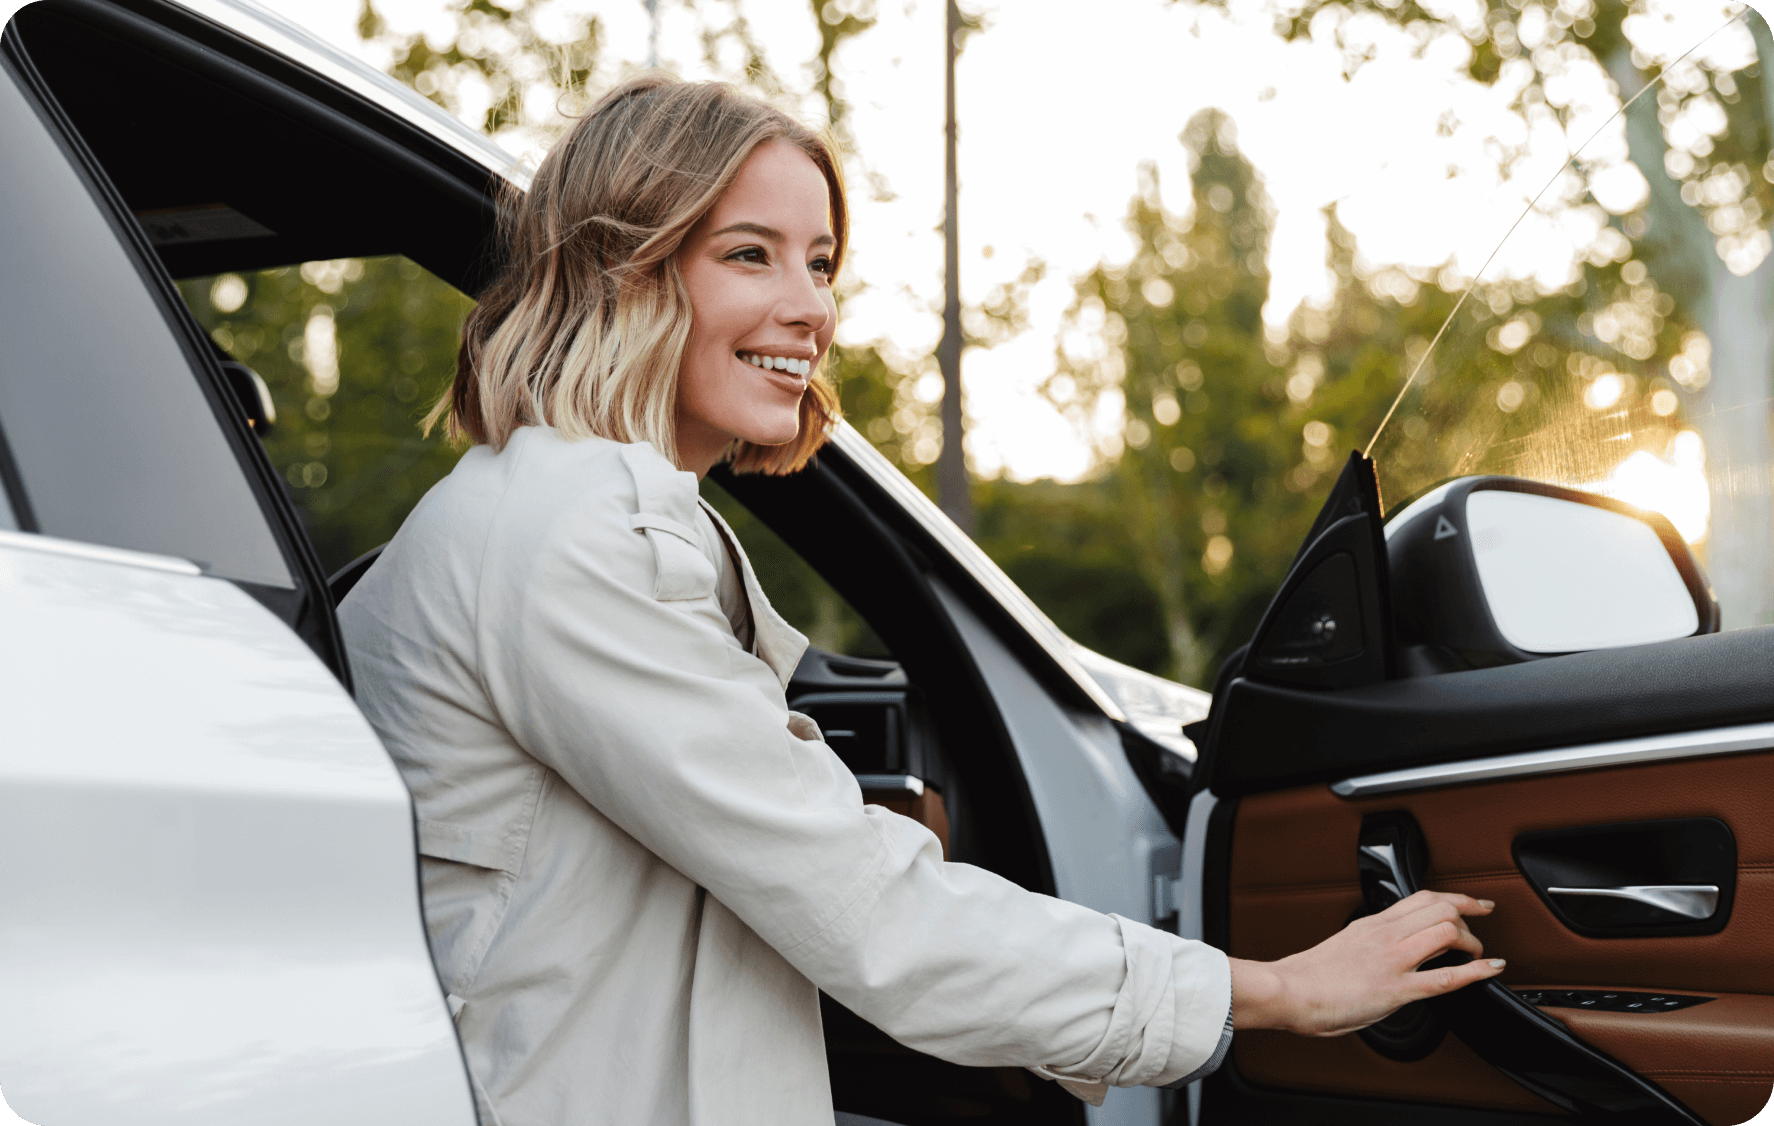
[[1675, 290], [533, 67], [1227, 430], [497, 60], [879, 398], [1071, 549]]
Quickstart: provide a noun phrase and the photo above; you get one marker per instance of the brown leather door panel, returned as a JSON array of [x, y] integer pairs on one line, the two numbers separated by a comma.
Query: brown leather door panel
[[1293, 882], [1717, 1057]]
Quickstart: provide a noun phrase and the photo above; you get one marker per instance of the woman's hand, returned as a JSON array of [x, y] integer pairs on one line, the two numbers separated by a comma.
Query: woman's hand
[[1366, 971]]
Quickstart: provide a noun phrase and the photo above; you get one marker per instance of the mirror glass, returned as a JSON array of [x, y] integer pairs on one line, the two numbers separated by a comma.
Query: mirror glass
[[1561, 576]]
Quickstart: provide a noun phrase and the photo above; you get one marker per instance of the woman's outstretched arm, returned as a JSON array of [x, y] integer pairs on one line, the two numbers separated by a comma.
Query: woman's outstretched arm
[[1364, 971]]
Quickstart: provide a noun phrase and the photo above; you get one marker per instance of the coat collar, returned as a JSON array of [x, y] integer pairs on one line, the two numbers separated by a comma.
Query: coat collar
[[776, 643], [662, 489]]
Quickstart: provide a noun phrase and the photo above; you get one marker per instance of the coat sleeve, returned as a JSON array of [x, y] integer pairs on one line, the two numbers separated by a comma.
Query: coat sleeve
[[606, 657]]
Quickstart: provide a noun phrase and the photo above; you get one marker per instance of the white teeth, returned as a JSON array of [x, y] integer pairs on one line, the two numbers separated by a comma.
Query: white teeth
[[778, 363]]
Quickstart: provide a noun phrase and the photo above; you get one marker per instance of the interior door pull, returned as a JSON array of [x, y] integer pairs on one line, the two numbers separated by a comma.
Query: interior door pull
[[1692, 901], [1509, 1033]]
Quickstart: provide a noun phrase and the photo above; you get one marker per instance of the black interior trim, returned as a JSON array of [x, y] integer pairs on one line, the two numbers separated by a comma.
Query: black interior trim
[[1216, 876], [1679, 850], [888, 583], [1330, 624], [1167, 777], [1228, 1099], [348, 576], [1268, 736], [1541, 1054], [831, 515], [886, 510], [1617, 1001], [316, 206], [12, 486]]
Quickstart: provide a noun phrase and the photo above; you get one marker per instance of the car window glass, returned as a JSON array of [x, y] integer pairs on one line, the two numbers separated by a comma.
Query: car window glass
[[1617, 340], [794, 588], [355, 351], [113, 438]]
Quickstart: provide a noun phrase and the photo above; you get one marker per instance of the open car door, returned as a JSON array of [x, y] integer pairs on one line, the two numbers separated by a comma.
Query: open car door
[[1522, 656]]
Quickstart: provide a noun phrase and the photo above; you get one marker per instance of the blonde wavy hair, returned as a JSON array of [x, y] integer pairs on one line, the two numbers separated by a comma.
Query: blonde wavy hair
[[584, 327]]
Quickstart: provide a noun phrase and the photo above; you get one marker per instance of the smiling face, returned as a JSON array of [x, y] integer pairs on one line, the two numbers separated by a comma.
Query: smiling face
[[758, 268]]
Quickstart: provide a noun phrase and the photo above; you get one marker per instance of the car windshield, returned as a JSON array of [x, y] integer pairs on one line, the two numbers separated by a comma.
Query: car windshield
[[1620, 338]]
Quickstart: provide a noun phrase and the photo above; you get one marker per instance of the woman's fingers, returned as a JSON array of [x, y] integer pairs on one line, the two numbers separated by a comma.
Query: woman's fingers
[[1438, 939], [1427, 915], [1366, 970], [1426, 900], [1446, 979]]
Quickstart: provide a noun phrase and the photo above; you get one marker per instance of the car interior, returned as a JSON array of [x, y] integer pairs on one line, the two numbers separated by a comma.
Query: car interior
[[1631, 896], [233, 160]]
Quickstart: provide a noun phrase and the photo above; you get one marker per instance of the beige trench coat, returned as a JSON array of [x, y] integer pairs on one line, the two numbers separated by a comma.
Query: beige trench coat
[[639, 866]]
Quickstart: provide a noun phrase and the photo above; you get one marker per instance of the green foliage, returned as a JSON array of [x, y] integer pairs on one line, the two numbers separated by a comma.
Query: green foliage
[[1232, 437], [878, 400], [347, 438], [1070, 549], [501, 46]]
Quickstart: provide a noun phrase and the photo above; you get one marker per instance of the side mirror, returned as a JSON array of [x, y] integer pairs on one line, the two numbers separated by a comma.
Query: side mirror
[[252, 394], [1497, 570]]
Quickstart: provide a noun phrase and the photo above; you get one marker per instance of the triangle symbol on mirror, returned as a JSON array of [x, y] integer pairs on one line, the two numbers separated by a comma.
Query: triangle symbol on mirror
[[1443, 529]]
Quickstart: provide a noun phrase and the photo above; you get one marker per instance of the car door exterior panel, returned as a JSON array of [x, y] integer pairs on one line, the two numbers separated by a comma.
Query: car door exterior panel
[[212, 909], [212, 903], [1293, 881]]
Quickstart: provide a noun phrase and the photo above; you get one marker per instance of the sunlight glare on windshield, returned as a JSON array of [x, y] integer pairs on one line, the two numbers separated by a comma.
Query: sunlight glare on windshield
[[1616, 341]]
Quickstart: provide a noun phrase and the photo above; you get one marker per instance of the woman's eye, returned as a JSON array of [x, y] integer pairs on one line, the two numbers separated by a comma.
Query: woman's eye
[[822, 266], [753, 254]]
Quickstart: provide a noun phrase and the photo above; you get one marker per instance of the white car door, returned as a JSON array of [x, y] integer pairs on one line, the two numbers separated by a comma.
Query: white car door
[[209, 908]]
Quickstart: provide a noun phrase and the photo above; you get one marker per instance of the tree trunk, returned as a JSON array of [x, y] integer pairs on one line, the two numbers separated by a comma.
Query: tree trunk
[[1731, 413], [953, 491]]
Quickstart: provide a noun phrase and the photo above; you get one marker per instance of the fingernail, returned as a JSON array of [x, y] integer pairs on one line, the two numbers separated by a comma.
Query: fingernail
[[1486, 904], [1498, 963]]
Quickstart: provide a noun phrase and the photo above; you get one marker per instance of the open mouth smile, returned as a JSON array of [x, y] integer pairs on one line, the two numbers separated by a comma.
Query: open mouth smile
[[777, 363]]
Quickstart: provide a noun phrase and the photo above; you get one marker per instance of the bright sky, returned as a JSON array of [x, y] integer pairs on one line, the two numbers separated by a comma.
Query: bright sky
[[1059, 104]]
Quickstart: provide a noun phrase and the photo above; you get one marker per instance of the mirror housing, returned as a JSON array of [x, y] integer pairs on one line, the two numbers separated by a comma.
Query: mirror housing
[[253, 395], [1499, 570]]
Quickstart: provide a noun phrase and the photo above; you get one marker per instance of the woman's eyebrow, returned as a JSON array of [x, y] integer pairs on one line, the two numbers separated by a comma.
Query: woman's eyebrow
[[770, 233], [758, 229]]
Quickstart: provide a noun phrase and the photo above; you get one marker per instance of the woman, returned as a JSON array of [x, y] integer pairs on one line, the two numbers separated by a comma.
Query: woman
[[639, 866]]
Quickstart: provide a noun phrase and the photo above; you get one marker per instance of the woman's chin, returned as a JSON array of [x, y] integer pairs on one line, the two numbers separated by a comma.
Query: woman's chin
[[775, 432]]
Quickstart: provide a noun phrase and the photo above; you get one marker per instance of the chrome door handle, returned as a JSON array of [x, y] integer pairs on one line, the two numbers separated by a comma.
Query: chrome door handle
[[1382, 859], [1692, 901]]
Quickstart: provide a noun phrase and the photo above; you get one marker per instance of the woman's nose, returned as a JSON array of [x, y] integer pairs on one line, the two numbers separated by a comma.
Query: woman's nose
[[804, 304]]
